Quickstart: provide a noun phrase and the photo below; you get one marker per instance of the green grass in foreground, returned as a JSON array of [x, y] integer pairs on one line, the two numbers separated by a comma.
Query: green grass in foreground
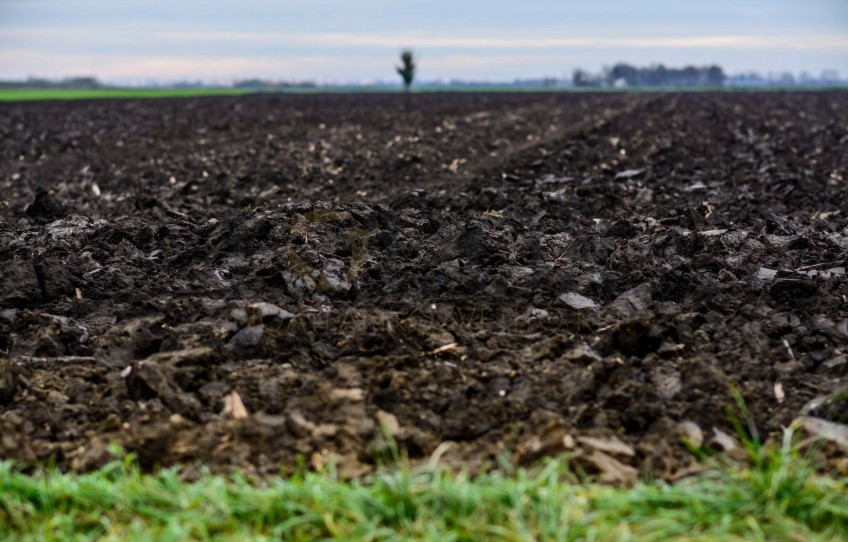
[[26, 94], [781, 498]]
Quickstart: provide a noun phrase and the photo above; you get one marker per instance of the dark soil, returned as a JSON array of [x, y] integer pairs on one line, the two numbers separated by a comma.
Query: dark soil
[[519, 274]]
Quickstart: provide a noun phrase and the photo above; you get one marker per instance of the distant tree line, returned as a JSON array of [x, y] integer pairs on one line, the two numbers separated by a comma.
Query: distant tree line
[[69, 82], [625, 75], [827, 78], [264, 84]]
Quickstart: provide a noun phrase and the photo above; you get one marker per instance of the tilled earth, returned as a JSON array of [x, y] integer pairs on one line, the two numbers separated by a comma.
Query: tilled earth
[[270, 281]]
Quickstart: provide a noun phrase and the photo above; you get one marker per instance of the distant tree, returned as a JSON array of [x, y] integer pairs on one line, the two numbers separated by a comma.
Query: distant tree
[[581, 78], [715, 76], [660, 74], [407, 68], [623, 73]]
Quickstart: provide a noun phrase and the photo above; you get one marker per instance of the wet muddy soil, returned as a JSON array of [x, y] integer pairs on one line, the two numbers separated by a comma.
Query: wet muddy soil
[[264, 282]]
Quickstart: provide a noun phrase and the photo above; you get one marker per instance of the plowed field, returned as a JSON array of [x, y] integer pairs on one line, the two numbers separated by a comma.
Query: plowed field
[[264, 281]]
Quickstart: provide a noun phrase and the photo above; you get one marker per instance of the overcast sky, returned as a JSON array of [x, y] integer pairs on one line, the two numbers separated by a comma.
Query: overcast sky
[[134, 41]]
